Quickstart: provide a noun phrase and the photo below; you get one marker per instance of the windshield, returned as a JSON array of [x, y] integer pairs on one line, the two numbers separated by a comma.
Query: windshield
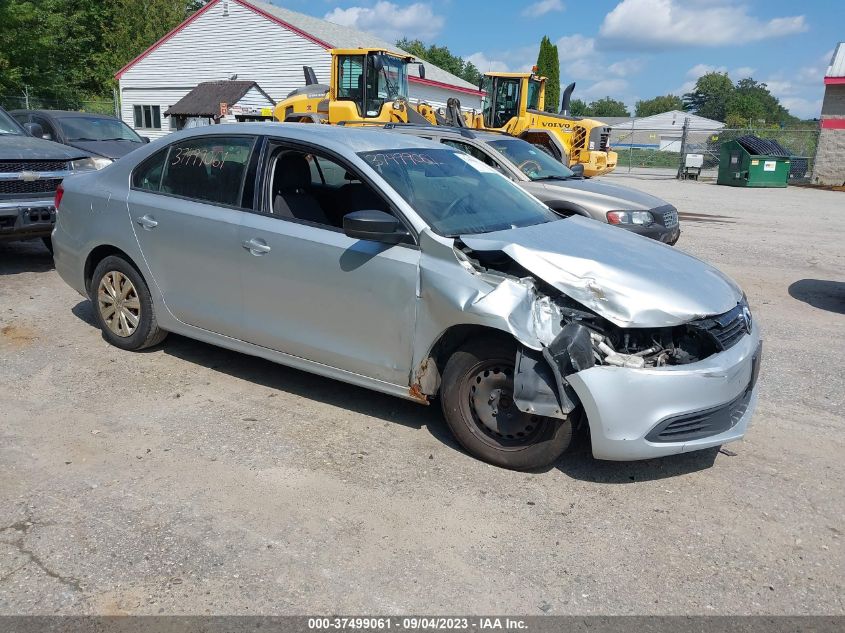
[[369, 88], [83, 128], [455, 193], [8, 125], [531, 160]]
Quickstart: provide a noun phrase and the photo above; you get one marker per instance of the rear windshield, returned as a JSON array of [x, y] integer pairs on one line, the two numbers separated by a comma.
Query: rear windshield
[[455, 193], [81, 128]]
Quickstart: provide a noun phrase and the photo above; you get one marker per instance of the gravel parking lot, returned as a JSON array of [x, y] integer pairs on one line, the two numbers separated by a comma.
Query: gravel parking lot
[[190, 479]]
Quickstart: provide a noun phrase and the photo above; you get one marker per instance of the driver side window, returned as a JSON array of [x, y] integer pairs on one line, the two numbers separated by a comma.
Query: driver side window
[[308, 187]]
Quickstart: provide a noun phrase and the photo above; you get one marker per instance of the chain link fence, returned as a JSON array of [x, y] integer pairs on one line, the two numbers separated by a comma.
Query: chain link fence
[[33, 102], [661, 152]]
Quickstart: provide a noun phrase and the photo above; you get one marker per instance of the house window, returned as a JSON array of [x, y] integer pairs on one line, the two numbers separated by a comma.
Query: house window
[[147, 117]]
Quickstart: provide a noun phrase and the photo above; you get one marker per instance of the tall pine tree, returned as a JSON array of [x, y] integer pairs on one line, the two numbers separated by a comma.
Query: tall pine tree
[[548, 65]]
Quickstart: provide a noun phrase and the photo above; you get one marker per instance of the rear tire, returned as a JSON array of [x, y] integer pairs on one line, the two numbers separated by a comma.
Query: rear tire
[[123, 305], [48, 242], [476, 397]]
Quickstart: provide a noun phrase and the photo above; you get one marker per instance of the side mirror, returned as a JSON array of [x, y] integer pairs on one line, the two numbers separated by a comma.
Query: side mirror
[[378, 63], [375, 226], [422, 71], [578, 170], [146, 139], [34, 129]]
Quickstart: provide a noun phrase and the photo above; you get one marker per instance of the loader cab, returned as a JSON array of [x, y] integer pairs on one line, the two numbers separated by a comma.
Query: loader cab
[[509, 95], [370, 79]]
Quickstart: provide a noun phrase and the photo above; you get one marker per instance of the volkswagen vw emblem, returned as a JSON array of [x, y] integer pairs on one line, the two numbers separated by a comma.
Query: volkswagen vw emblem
[[746, 317], [29, 176]]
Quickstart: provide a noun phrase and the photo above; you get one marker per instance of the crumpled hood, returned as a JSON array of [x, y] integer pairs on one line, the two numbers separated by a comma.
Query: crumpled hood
[[109, 149], [17, 147], [608, 196], [630, 280]]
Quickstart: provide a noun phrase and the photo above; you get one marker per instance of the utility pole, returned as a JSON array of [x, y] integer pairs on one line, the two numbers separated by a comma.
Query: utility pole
[[682, 161]]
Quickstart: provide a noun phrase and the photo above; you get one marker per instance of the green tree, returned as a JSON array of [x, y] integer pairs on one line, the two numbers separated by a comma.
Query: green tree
[[710, 96], [658, 105], [752, 104], [69, 50], [608, 107], [577, 107], [548, 65], [443, 58]]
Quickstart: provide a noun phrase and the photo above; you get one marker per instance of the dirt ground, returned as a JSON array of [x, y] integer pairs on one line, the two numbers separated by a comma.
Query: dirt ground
[[194, 480]]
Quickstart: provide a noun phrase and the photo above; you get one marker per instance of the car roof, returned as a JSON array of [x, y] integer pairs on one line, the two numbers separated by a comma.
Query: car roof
[[449, 132], [352, 138]]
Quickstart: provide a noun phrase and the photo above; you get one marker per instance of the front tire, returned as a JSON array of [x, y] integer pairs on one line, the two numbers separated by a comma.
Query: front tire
[[476, 397], [123, 305]]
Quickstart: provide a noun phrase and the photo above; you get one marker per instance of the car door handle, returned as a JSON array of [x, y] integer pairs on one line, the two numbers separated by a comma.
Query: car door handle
[[256, 247], [147, 222]]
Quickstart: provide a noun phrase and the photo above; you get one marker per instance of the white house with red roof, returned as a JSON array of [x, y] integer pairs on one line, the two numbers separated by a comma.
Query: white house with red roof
[[253, 41]]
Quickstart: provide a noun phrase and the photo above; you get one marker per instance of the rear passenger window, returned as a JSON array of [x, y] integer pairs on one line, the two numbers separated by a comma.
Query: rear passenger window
[[147, 175], [210, 169]]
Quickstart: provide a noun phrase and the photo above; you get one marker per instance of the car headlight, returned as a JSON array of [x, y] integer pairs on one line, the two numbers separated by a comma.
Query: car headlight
[[639, 218], [91, 164]]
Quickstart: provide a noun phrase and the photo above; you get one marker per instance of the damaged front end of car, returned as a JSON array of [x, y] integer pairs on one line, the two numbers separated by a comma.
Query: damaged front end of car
[[597, 357]]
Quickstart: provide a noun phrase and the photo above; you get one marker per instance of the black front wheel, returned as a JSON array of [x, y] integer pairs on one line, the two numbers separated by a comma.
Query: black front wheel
[[477, 400]]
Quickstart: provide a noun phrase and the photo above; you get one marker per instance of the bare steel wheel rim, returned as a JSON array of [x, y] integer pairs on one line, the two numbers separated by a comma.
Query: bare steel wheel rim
[[490, 395], [119, 304]]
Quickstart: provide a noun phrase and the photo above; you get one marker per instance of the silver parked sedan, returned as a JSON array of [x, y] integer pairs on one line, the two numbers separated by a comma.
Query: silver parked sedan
[[414, 269], [557, 185]]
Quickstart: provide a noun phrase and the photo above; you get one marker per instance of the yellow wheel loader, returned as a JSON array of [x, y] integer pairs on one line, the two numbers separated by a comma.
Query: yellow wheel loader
[[514, 102], [368, 86]]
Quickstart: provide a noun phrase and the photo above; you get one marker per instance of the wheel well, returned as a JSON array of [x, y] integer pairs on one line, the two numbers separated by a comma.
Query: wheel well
[[569, 210], [98, 255], [455, 337]]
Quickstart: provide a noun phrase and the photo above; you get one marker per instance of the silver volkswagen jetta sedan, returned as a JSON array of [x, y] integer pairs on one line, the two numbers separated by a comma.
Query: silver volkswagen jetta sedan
[[398, 264]]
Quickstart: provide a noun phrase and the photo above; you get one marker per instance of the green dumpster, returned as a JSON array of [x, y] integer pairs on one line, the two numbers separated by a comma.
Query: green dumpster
[[750, 161]]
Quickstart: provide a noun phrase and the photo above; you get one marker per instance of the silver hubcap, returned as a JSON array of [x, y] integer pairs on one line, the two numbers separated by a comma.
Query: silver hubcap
[[119, 304]]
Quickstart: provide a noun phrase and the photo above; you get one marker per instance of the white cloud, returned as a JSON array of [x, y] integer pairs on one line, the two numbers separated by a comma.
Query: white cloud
[[742, 72], [796, 90], [485, 64], [542, 8], [575, 47], [660, 24], [517, 60], [613, 88], [626, 67], [702, 69], [390, 21]]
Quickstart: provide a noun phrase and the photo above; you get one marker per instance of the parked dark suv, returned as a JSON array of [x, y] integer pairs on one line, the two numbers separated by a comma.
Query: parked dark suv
[[104, 137], [30, 172]]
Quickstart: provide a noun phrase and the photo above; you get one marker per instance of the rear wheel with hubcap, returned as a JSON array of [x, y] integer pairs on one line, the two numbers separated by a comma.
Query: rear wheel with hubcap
[[123, 305], [477, 400]]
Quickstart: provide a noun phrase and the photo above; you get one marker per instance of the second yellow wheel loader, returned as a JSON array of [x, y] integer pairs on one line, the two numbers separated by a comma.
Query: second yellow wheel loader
[[514, 102]]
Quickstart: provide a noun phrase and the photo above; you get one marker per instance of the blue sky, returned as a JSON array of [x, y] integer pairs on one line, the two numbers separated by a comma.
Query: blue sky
[[627, 49]]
